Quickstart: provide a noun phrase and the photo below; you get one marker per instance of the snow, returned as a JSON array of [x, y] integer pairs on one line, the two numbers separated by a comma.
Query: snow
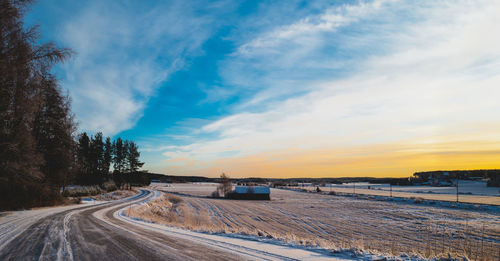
[[308, 214], [15, 222], [92, 201], [470, 187], [254, 248], [370, 222], [474, 192]]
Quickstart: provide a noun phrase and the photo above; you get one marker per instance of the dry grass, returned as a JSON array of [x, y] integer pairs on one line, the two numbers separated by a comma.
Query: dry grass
[[81, 191], [336, 223], [171, 210], [118, 194]]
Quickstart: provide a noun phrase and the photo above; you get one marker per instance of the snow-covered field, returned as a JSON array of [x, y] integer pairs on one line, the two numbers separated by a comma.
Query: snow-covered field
[[331, 222], [474, 192], [251, 248]]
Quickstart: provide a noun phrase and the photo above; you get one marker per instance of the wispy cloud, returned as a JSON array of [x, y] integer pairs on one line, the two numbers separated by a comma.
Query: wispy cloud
[[424, 72], [124, 53], [304, 32]]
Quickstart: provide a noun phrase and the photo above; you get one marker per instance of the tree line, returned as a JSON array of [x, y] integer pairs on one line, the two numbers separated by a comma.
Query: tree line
[[96, 155], [39, 153]]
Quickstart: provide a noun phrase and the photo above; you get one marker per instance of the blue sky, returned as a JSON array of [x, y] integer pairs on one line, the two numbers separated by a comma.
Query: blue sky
[[266, 88]]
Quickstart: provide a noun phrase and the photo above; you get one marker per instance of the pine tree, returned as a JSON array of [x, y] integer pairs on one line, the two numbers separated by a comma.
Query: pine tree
[[53, 131], [107, 157], [118, 159], [83, 159], [97, 158], [119, 155], [126, 169], [133, 158]]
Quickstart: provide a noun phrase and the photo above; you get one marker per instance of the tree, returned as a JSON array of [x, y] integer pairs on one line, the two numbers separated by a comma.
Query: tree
[[53, 131], [225, 187], [133, 162], [119, 155], [24, 76], [108, 156], [83, 159], [133, 158], [97, 158], [125, 151], [118, 162]]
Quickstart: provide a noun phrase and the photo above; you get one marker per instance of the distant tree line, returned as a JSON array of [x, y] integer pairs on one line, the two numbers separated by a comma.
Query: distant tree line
[[39, 153]]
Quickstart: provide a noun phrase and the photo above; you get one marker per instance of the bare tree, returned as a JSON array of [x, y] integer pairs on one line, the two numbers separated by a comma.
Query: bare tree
[[225, 186]]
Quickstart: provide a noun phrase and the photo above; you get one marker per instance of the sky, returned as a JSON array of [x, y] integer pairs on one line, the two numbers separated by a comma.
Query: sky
[[380, 88]]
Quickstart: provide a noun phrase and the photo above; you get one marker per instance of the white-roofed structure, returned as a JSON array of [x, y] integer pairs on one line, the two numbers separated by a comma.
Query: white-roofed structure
[[251, 192]]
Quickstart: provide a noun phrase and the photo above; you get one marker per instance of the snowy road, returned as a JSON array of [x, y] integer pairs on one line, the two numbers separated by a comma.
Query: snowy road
[[102, 232]]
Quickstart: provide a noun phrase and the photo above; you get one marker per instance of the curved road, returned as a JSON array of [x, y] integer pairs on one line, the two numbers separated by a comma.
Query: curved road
[[77, 234], [103, 232]]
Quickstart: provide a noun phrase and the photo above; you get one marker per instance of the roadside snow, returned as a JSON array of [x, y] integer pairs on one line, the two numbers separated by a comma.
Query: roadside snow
[[92, 201]]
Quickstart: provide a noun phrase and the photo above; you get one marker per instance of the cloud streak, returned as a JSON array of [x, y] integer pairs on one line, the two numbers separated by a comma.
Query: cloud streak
[[425, 80], [124, 53]]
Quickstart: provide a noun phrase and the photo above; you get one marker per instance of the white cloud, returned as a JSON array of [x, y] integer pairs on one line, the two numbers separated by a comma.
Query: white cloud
[[279, 62], [435, 78], [305, 31], [123, 55]]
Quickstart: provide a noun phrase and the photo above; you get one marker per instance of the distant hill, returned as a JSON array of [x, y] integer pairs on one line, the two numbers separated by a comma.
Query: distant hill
[[275, 181]]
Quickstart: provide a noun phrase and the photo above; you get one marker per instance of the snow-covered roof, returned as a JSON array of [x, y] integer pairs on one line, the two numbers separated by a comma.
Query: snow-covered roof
[[256, 190]]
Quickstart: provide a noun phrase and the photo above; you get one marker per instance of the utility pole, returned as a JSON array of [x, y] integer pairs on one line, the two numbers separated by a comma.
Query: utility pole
[[457, 187]]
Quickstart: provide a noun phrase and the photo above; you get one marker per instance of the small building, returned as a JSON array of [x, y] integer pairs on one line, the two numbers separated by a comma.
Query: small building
[[251, 192]]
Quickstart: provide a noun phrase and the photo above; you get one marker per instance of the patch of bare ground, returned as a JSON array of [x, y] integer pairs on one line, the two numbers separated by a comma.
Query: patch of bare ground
[[334, 222]]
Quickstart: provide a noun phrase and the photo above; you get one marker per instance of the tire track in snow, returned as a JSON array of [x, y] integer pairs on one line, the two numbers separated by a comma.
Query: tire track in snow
[[65, 252]]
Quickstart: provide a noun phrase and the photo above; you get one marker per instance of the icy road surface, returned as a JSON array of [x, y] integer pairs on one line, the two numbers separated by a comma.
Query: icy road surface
[[101, 232]]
